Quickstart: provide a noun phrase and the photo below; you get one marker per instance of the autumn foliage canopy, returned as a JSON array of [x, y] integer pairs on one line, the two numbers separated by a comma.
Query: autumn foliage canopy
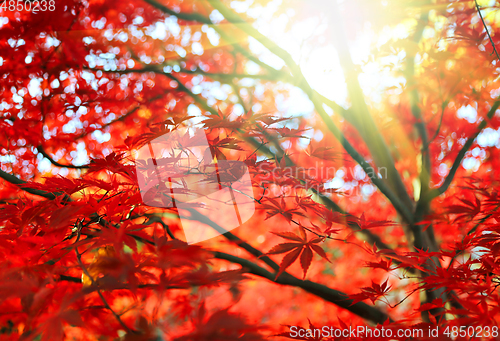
[[369, 129]]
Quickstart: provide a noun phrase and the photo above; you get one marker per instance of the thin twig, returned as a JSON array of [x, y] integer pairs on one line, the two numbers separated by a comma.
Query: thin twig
[[94, 284], [42, 151], [461, 154], [487, 31]]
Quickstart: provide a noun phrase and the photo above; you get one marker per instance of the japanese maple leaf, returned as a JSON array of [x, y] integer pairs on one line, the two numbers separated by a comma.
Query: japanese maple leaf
[[299, 246], [382, 264], [221, 120], [372, 293], [435, 304], [173, 121], [306, 203], [324, 153], [110, 162], [404, 259], [227, 142], [57, 184], [279, 207], [287, 132], [467, 211]]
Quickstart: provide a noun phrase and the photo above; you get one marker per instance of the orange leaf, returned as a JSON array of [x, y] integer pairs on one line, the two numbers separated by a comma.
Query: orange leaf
[[97, 266], [320, 251], [289, 236], [283, 247], [306, 259]]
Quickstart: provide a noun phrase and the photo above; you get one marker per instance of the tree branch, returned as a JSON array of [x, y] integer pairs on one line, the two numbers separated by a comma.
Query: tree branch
[[331, 295], [422, 240], [57, 164], [461, 154], [487, 31], [16, 181]]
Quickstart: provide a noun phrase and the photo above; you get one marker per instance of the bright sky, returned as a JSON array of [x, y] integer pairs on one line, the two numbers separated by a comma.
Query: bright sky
[[319, 62]]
